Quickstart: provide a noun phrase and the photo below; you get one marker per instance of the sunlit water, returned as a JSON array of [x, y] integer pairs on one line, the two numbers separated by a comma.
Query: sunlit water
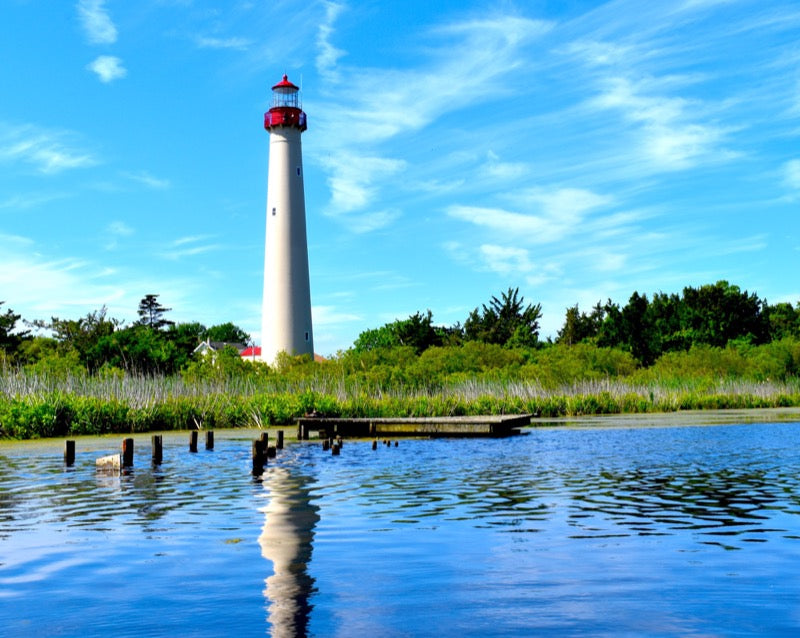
[[657, 531]]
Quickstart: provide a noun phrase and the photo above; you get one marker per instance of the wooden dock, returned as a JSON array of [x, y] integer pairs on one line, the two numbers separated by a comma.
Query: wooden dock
[[449, 426]]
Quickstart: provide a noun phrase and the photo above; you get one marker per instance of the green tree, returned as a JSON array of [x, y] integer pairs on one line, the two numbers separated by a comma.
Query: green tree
[[151, 313], [82, 335], [717, 313], [417, 332], [784, 321], [579, 327], [10, 337], [505, 321], [227, 333]]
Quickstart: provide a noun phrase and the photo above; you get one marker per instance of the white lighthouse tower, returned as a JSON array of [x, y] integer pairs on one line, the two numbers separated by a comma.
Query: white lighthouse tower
[[286, 313]]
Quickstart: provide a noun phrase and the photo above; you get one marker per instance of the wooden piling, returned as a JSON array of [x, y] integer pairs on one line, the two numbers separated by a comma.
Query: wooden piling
[[326, 445], [210, 440], [375, 444], [279, 444], [335, 449], [69, 453], [193, 441], [259, 457], [272, 452], [158, 448], [127, 453]]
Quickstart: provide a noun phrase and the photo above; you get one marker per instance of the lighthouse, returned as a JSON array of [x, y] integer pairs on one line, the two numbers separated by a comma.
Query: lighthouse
[[286, 311]]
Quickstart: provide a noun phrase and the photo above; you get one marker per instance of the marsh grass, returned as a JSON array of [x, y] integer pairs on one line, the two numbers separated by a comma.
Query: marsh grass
[[38, 405]]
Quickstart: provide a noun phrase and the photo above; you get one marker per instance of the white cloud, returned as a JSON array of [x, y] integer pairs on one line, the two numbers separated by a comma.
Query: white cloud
[[353, 180], [668, 137], [108, 68], [208, 42], [96, 22], [328, 55], [331, 315], [560, 212], [504, 170], [188, 247], [48, 151], [506, 259], [143, 177], [22, 202], [791, 174], [120, 228]]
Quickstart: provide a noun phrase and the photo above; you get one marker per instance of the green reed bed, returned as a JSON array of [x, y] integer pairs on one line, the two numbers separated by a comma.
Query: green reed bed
[[37, 406]]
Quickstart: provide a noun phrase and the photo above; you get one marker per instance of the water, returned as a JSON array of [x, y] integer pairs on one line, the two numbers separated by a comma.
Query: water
[[658, 531]]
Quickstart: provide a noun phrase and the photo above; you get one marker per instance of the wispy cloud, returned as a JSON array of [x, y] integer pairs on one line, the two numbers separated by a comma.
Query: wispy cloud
[[48, 151], [463, 70], [210, 42], [120, 229], [96, 22], [24, 202], [791, 174], [188, 247], [353, 178], [559, 213], [108, 68], [114, 231], [145, 178], [669, 138], [328, 55]]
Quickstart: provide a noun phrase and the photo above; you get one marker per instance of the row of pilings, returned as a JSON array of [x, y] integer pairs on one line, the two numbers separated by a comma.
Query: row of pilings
[[262, 451]]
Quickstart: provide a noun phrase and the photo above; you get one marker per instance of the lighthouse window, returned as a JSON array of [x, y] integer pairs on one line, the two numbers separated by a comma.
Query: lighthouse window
[[298, 171], [306, 336], [273, 211]]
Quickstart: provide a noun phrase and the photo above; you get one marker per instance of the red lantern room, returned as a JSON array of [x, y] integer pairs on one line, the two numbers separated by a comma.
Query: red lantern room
[[285, 110]]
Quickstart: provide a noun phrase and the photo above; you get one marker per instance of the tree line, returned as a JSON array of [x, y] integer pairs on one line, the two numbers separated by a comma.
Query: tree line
[[711, 315], [644, 329], [151, 345]]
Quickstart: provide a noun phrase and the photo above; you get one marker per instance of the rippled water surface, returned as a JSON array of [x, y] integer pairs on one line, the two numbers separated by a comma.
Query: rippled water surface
[[659, 531]]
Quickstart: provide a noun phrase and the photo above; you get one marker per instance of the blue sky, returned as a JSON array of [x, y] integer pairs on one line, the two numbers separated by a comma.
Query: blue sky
[[576, 150]]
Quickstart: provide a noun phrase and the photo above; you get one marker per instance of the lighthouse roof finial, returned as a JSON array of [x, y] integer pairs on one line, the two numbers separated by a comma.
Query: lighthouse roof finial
[[285, 85]]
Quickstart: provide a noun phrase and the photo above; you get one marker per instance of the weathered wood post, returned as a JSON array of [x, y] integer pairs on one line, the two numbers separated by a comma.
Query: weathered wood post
[[326, 445], [127, 453], [335, 449], [279, 444], [259, 458], [265, 439], [210, 440], [193, 441], [158, 448], [69, 453], [272, 452], [375, 444]]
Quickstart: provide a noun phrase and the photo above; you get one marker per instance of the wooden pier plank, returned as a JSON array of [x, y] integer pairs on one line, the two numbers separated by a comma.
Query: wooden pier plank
[[455, 426]]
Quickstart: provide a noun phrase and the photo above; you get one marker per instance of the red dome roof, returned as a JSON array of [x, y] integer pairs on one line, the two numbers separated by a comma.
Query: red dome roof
[[285, 84]]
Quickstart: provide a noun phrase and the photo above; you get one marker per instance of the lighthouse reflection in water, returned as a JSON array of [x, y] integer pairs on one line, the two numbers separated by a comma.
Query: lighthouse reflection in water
[[287, 541]]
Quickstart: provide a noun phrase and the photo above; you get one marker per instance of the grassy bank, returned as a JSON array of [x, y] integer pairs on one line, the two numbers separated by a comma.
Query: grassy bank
[[33, 406]]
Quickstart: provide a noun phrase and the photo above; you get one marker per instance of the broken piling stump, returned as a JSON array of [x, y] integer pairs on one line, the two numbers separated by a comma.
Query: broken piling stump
[[113, 462]]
